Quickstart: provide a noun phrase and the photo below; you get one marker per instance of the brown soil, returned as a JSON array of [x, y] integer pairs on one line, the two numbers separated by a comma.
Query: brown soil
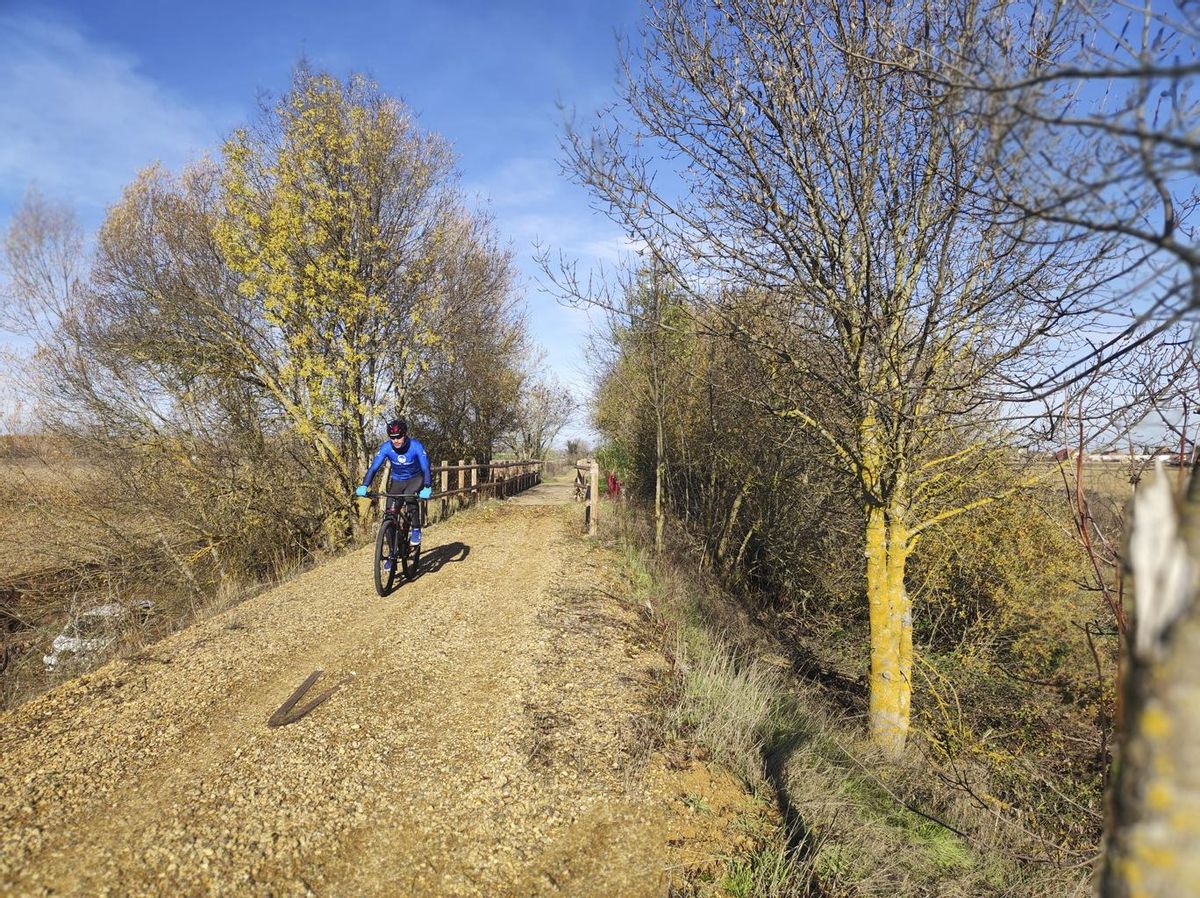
[[487, 737]]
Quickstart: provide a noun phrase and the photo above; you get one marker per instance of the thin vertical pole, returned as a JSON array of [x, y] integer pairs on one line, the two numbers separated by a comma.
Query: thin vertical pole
[[445, 505], [595, 505]]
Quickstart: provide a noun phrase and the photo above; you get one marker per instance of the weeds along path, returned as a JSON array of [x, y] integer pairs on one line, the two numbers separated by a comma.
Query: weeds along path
[[478, 743]]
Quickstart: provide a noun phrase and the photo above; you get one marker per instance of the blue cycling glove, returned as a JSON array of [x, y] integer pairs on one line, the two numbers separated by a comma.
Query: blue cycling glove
[[426, 493], [361, 492]]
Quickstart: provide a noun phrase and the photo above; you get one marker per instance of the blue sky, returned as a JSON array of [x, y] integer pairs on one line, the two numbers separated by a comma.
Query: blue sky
[[92, 91]]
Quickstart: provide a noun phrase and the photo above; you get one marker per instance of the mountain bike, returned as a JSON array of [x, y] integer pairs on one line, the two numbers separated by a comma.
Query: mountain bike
[[392, 549]]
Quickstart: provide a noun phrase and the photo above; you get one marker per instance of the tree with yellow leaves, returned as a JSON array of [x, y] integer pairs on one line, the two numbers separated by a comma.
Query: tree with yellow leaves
[[336, 211], [293, 293]]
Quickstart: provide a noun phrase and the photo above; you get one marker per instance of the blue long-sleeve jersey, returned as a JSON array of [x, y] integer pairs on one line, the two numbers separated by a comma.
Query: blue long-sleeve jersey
[[406, 461]]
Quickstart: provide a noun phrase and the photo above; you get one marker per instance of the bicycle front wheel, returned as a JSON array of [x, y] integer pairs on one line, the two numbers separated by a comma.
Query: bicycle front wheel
[[409, 554], [385, 556]]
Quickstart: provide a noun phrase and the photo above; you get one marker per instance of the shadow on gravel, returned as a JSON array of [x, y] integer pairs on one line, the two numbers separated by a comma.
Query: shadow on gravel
[[439, 556]]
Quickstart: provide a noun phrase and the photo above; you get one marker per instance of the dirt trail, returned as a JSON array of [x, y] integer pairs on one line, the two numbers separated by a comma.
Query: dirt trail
[[477, 744]]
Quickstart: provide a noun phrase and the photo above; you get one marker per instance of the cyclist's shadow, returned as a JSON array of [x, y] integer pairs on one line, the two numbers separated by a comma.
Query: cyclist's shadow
[[434, 559]]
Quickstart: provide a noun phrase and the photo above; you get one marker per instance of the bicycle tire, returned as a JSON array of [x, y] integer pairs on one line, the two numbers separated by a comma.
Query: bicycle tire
[[385, 544], [410, 560], [408, 553]]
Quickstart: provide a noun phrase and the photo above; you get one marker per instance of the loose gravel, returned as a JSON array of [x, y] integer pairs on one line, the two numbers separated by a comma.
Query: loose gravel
[[483, 739]]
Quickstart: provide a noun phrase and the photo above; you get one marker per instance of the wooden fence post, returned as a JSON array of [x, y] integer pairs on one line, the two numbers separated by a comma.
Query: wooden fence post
[[445, 505], [474, 482], [595, 503], [462, 482]]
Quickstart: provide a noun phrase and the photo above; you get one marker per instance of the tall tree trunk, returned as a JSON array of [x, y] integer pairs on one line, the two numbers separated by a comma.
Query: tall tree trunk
[[659, 468], [901, 612], [887, 550], [1153, 840], [730, 523]]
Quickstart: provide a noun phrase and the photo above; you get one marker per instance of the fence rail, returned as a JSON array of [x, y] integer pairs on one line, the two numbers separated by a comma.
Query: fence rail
[[464, 484]]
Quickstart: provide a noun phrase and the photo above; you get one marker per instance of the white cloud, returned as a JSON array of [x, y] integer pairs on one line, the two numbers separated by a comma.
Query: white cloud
[[534, 205], [79, 119], [613, 250], [519, 183]]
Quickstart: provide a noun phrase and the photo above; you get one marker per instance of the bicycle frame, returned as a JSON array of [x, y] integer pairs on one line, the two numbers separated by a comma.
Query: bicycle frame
[[392, 543], [396, 508]]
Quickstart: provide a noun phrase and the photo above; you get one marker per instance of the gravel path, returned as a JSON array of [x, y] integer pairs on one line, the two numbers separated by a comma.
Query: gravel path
[[478, 744]]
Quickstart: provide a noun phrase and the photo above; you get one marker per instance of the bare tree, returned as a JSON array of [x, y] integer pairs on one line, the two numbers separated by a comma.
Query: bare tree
[[771, 149], [641, 331], [43, 266], [43, 269], [1095, 105], [544, 409], [1122, 86], [469, 392], [576, 447]]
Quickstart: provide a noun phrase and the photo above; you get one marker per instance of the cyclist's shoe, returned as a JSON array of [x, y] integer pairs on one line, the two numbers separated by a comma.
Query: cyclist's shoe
[[414, 536], [387, 564]]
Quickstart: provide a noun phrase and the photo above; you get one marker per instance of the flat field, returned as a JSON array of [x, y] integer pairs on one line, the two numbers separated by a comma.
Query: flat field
[[53, 516], [60, 523]]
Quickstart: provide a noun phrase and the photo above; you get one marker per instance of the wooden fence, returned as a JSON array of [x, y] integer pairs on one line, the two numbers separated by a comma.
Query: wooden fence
[[464, 484], [587, 489]]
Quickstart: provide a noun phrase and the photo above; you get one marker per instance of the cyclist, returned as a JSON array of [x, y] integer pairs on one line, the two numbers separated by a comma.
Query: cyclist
[[410, 477]]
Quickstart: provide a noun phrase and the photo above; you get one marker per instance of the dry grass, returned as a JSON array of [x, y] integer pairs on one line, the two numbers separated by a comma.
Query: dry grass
[[58, 514], [1112, 480], [857, 825], [50, 541], [69, 543]]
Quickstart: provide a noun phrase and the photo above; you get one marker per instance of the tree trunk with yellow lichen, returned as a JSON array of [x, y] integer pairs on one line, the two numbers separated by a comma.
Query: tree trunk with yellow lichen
[[1153, 842], [891, 629]]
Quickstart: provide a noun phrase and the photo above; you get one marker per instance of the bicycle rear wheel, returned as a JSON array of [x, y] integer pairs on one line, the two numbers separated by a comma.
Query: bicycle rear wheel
[[385, 556]]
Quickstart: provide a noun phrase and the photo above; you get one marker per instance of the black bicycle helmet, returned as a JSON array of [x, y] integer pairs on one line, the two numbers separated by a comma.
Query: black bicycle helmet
[[397, 428]]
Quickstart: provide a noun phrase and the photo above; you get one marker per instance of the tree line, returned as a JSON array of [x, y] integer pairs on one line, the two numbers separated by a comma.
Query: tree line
[[892, 257], [230, 344]]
